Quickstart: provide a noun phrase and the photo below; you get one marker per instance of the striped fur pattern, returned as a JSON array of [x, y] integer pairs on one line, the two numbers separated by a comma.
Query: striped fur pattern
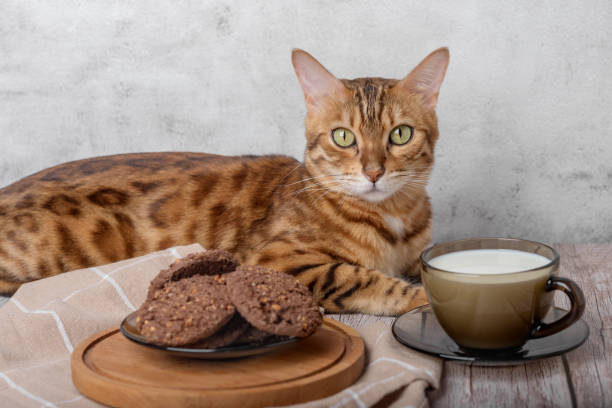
[[355, 252]]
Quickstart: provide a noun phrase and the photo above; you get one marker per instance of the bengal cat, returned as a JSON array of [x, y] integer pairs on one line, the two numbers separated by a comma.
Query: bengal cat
[[349, 222]]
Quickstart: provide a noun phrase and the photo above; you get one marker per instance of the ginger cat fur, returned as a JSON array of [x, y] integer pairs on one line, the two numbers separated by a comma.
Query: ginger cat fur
[[349, 222]]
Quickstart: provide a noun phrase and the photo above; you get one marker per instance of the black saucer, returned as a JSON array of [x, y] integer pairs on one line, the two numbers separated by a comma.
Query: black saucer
[[129, 329], [419, 329]]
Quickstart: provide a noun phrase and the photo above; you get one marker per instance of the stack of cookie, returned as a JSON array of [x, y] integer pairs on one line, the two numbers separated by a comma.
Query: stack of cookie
[[207, 300]]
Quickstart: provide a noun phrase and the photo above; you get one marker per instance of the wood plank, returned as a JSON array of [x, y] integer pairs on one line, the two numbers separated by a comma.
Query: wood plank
[[590, 366], [536, 384], [586, 254], [463, 385], [361, 320]]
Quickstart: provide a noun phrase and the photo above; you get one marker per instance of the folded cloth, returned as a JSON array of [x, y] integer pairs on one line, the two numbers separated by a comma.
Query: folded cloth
[[45, 320], [394, 375]]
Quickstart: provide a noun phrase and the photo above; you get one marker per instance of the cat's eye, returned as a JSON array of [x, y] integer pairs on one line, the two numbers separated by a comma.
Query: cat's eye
[[343, 137], [401, 135]]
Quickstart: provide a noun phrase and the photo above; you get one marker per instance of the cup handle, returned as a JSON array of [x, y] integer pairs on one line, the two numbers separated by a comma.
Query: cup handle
[[576, 297]]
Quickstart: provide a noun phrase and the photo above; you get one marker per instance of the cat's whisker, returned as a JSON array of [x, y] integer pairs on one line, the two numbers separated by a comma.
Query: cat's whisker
[[413, 186], [309, 188], [313, 178], [419, 182], [322, 191], [294, 169], [325, 183], [408, 173], [311, 192], [411, 175], [330, 184], [321, 196], [334, 181], [313, 185], [318, 187], [414, 168], [416, 183], [412, 191], [416, 179], [302, 186], [402, 192], [332, 187], [406, 194], [341, 203]]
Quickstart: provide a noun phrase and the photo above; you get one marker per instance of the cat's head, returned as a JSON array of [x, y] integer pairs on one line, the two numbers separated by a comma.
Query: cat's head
[[371, 137]]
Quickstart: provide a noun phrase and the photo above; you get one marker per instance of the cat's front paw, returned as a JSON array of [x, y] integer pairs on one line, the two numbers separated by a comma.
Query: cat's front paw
[[419, 299]]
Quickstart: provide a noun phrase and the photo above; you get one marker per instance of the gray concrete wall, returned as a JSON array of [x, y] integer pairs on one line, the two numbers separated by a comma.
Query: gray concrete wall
[[525, 111]]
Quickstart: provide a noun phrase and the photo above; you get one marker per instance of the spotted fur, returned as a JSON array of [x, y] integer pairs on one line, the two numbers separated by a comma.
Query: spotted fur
[[269, 210]]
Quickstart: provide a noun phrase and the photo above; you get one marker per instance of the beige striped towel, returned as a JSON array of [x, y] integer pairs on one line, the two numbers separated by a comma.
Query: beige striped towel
[[45, 320]]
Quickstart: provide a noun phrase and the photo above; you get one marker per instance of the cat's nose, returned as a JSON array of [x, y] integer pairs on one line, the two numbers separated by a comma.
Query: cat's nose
[[374, 173]]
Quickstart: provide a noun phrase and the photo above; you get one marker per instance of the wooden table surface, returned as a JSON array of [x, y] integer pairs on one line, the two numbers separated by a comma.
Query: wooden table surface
[[580, 378]]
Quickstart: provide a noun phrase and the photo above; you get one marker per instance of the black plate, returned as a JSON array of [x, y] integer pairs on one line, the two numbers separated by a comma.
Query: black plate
[[419, 329], [129, 330]]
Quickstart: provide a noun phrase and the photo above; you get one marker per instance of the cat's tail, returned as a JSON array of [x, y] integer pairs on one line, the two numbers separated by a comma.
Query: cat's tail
[[11, 275], [8, 288], [10, 281], [18, 244]]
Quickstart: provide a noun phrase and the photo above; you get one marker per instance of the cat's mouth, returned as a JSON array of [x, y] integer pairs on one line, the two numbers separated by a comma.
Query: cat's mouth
[[374, 194], [366, 190]]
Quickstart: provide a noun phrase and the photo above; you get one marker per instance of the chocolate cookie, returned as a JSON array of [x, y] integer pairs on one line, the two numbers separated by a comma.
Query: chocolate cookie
[[252, 335], [211, 262], [228, 334], [186, 311], [273, 301]]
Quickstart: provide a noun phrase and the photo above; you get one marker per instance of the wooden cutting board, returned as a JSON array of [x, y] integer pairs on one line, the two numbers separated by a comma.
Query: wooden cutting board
[[113, 370]]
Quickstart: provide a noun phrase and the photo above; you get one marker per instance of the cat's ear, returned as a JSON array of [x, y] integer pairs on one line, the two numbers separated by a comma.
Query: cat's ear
[[426, 78], [316, 82]]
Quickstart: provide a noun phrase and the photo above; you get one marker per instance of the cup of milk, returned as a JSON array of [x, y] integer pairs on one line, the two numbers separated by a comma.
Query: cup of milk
[[492, 293]]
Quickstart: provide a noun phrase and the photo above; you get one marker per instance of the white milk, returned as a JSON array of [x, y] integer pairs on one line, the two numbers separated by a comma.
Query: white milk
[[488, 261]]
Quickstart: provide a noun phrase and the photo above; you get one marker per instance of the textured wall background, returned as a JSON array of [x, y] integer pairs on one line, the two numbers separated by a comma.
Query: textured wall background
[[525, 111]]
